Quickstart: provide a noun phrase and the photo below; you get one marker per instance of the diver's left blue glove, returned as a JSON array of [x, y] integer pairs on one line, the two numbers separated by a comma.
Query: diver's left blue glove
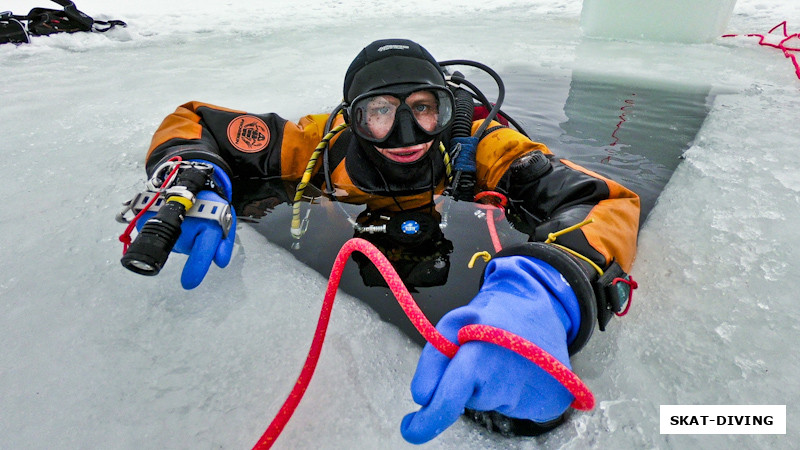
[[524, 296]]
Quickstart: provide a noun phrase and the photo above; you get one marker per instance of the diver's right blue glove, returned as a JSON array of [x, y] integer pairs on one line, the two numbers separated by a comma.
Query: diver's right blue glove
[[524, 296], [203, 239]]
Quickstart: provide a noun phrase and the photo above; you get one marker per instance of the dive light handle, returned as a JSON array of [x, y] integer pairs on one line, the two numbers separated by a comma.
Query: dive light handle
[[148, 253]]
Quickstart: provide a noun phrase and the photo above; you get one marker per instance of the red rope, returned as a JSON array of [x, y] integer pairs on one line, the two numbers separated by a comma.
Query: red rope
[[633, 285], [787, 51], [622, 119], [584, 400], [125, 237], [497, 201]]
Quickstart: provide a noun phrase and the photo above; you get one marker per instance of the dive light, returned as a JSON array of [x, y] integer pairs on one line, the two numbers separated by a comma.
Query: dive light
[[149, 251]]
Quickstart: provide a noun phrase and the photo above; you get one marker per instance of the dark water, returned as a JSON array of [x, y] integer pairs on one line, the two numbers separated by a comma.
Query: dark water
[[627, 131], [631, 131], [456, 283]]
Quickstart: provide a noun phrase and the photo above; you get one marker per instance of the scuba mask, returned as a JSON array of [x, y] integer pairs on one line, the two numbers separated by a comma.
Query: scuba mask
[[402, 116], [395, 95]]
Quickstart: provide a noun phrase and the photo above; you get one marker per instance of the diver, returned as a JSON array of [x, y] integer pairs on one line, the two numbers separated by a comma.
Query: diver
[[393, 147]]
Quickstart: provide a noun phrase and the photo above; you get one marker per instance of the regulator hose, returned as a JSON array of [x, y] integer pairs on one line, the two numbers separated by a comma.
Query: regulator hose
[[462, 122]]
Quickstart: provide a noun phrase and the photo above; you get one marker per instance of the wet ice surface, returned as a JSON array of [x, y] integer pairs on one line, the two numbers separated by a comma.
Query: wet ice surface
[[97, 357]]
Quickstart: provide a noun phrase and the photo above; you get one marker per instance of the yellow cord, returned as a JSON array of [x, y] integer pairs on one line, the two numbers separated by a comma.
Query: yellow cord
[[552, 236], [448, 166], [550, 239], [578, 255], [484, 254], [297, 229]]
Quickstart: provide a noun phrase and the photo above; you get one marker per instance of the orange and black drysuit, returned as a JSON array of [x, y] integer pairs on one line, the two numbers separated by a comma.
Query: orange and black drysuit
[[545, 194]]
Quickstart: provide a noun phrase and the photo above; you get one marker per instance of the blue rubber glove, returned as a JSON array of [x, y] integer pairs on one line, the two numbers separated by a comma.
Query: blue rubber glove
[[524, 296], [202, 239]]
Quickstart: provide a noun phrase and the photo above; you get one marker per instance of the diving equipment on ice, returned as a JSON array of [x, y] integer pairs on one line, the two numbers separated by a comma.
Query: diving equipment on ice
[[17, 29]]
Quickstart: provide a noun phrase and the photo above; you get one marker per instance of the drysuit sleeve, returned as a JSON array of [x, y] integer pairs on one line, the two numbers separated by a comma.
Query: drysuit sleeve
[[244, 145], [547, 194]]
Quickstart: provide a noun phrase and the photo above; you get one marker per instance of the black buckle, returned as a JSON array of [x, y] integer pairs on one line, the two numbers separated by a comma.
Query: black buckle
[[611, 295]]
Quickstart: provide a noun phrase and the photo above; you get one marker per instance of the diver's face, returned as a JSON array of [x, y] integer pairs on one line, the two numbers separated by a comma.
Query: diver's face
[[382, 116]]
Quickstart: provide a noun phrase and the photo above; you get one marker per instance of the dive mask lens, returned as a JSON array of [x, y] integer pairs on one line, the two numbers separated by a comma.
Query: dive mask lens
[[376, 114]]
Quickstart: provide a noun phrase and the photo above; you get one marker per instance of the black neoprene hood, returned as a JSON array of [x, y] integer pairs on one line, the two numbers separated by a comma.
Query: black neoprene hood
[[389, 62]]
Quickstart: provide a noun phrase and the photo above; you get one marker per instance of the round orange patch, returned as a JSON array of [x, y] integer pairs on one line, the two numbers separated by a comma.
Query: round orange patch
[[248, 134]]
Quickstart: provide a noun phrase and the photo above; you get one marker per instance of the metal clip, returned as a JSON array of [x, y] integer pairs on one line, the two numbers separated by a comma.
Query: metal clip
[[121, 215], [201, 209], [304, 223]]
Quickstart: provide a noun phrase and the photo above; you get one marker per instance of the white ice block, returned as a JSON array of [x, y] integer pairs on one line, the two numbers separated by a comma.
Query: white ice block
[[656, 20]]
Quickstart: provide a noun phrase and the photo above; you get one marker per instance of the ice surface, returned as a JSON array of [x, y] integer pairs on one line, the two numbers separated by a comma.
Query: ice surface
[[97, 357], [657, 20]]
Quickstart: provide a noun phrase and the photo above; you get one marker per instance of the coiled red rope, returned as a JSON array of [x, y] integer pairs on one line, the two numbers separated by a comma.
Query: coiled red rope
[[584, 400], [782, 45]]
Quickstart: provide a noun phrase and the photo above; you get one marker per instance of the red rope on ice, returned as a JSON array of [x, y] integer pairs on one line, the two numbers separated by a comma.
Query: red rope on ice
[[125, 237], [584, 400], [787, 50]]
